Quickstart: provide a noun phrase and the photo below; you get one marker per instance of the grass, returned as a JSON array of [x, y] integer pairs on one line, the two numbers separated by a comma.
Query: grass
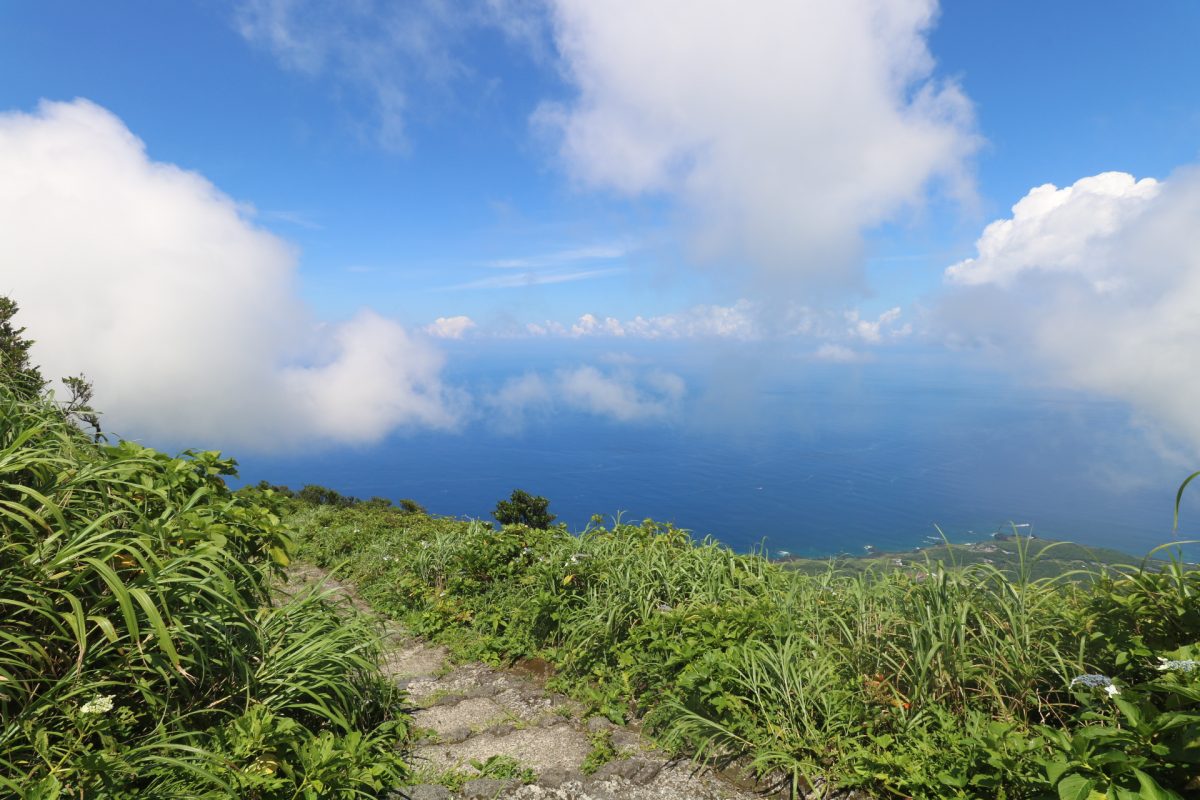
[[497, 767], [140, 651], [951, 681]]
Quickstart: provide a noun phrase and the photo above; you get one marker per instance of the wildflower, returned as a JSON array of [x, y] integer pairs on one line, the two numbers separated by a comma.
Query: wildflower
[[100, 704], [1177, 666], [1097, 682]]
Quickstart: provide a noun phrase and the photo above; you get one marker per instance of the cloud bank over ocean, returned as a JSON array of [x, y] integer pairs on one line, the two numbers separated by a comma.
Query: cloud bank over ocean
[[1095, 286]]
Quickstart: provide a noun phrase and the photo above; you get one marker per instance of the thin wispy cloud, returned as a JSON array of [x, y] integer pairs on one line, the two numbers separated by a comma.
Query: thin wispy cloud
[[620, 393], [524, 279], [603, 252], [373, 54], [377, 55], [297, 218]]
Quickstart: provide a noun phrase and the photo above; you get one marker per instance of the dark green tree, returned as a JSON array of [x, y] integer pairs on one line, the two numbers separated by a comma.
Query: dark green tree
[[25, 380], [523, 508], [316, 495], [22, 377]]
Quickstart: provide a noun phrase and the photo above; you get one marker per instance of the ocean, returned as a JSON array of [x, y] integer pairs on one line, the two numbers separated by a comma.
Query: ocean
[[814, 461]]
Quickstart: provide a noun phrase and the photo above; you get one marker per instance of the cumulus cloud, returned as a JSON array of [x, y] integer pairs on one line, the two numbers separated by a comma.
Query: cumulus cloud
[[874, 331], [450, 327], [1055, 230], [738, 321], [785, 129], [1098, 285], [621, 394], [184, 313]]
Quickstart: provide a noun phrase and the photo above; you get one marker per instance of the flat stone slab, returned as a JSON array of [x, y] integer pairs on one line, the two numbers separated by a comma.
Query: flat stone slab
[[475, 713], [677, 781], [560, 747], [415, 659]]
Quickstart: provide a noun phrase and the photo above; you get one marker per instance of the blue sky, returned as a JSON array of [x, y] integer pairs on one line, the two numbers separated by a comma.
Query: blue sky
[[792, 180]]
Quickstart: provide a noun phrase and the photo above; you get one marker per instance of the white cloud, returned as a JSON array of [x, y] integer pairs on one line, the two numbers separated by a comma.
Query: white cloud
[[621, 394], [591, 325], [1054, 230], [744, 320], [616, 395], [1097, 286], [839, 354], [450, 327], [737, 321], [185, 315], [785, 128], [873, 331]]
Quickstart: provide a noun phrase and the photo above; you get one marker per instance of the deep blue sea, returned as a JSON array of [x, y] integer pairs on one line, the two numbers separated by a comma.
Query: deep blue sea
[[817, 460]]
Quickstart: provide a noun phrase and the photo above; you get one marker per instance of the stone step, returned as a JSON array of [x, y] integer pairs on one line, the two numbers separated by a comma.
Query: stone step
[[558, 748]]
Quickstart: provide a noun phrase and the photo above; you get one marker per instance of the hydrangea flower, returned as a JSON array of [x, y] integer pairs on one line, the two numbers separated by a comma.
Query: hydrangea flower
[[100, 704], [1177, 666], [1094, 681]]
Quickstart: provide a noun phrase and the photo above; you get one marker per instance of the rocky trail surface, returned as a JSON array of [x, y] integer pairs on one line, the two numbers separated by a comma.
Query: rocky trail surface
[[539, 744]]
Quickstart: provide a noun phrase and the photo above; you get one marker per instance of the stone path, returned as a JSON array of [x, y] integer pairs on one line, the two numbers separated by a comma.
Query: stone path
[[471, 712]]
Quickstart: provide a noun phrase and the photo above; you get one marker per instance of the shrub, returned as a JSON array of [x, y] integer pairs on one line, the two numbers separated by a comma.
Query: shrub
[[523, 508]]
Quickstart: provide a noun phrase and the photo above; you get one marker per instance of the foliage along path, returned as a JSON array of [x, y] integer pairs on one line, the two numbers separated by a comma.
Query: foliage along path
[[540, 748]]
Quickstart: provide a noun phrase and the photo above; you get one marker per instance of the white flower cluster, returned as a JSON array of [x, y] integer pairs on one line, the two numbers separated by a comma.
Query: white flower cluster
[[100, 704]]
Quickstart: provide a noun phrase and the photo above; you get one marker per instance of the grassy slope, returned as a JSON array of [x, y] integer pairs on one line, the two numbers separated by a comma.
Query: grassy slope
[[140, 651], [957, 683]]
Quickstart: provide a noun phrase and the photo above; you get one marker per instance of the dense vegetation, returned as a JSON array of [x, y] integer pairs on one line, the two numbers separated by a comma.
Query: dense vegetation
[[956, 682], [141, 653]]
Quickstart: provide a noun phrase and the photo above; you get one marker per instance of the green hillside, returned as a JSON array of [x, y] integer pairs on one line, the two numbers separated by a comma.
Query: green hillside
[[1014, 556]]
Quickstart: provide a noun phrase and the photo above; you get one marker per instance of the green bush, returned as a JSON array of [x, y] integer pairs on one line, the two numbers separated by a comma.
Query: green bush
[[523, 508]]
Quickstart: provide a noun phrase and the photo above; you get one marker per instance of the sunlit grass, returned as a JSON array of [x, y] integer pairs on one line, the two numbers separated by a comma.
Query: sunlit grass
[[933, 681], [140, 651]]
